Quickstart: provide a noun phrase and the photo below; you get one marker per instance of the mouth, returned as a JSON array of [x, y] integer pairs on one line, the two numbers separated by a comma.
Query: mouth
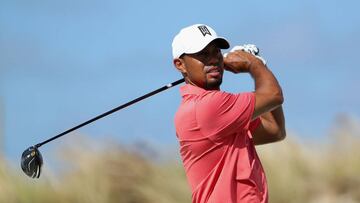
[[213, 71]]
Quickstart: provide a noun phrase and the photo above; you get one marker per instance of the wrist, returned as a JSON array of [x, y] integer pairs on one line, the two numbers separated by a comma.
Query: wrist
[[256, 64]]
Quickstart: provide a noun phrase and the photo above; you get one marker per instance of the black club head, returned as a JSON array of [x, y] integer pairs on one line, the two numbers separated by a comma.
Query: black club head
[[31, 162]]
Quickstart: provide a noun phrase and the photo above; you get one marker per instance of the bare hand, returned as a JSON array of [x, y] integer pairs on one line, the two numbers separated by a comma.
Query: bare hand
[[239, 61]]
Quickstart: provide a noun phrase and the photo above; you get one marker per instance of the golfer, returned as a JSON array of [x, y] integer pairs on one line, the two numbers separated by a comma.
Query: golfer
[[217, 130]]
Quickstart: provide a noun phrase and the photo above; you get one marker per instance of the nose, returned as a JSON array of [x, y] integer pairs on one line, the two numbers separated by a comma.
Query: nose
[[215, 59]]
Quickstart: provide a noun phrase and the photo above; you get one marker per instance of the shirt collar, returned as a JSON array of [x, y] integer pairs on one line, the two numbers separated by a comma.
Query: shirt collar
[[188, 89]]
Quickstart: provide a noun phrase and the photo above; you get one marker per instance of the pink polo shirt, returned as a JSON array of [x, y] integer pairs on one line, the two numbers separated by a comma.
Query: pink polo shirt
[[214, 131]]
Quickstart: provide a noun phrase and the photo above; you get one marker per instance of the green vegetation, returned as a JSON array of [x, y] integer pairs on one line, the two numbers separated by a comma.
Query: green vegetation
[[94, 172]]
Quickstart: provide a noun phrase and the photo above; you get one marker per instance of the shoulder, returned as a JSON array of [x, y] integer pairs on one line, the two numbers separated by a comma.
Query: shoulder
[[218, 103], [218, 99], [220, 111]]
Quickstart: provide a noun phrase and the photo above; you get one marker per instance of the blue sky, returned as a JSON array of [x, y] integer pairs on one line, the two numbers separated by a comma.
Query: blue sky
[[63, 62]]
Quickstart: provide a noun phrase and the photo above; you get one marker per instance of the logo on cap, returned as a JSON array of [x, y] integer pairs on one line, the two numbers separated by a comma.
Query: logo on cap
[[204, 30]]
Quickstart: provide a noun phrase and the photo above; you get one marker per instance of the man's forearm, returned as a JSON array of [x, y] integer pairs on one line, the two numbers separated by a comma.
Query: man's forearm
[[279, 121], [268, 91], [272, 127], [264, 79]]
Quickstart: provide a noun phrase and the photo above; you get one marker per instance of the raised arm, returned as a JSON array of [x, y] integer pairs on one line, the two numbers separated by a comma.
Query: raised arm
[[268, 93], [271, 128], [268, 96]]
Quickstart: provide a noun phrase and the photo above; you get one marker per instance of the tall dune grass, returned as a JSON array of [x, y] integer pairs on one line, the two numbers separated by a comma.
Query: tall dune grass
[[325, 171]]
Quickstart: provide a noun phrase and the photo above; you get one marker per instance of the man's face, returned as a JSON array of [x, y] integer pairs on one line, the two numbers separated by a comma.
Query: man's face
[[203, 69]]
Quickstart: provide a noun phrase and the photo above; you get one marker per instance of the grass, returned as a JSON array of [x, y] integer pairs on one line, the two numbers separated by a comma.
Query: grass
[[105, 171]]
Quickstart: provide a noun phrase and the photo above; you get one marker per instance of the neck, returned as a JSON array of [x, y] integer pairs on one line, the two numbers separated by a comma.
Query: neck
[[205, 86]]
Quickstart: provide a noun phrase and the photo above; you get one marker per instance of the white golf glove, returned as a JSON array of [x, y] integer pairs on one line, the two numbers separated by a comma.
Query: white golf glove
[[249, 48]]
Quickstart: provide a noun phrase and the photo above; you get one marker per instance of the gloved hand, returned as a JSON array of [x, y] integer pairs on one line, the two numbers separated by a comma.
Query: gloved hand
[[249, 48]]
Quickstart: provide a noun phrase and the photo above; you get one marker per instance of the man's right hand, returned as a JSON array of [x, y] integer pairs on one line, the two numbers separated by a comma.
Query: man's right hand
[[240, 61]]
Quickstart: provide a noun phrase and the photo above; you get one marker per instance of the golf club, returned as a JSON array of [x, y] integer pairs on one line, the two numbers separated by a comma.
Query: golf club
[[31, 158]]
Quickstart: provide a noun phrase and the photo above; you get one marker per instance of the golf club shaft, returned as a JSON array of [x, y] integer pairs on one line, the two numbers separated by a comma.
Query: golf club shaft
[[112, 111]]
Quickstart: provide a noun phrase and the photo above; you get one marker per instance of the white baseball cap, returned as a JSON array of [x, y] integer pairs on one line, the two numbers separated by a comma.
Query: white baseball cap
[[195, 38]]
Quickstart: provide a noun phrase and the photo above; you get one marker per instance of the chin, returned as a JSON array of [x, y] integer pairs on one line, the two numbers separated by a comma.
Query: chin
[[213, 84]]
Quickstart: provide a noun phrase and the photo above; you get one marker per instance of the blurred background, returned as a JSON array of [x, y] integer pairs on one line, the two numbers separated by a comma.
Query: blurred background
[[64, 62]]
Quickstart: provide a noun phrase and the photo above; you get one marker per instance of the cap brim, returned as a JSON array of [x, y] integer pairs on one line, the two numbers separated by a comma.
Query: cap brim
[[222, 43]]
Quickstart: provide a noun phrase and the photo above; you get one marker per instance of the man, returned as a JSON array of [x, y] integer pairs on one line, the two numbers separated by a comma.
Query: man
[[217, 130]]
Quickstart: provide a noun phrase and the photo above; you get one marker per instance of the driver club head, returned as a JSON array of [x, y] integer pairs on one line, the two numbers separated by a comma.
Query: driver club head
[[31, 162]]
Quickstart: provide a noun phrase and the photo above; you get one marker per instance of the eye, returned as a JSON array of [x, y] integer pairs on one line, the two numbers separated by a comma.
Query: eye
[[218, 51]]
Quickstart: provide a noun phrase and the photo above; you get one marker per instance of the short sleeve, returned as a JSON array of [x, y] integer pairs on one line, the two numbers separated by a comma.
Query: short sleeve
[[224, 113]]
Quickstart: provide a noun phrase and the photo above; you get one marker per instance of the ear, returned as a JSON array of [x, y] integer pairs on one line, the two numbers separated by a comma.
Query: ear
[[180, 65]]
